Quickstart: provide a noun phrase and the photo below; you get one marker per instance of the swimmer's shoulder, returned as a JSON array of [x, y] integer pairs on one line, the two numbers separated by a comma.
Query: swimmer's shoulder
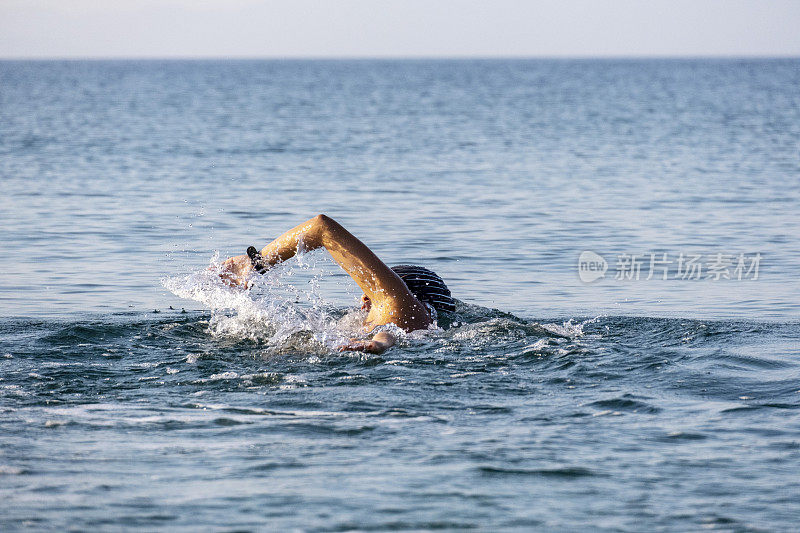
[[407, 315]]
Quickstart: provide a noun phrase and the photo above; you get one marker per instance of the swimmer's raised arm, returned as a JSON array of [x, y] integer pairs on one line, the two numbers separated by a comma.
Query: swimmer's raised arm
[[391, 300], [369, 272]]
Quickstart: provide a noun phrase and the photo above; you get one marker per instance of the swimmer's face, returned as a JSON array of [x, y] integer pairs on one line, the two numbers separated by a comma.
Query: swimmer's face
[[366, 303]]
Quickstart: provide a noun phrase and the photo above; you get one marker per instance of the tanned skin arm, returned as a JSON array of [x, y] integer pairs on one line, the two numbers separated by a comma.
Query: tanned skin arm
[[391, 301]]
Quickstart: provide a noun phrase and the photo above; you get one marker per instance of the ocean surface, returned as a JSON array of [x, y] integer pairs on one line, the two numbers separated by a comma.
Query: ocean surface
[[622, 237]]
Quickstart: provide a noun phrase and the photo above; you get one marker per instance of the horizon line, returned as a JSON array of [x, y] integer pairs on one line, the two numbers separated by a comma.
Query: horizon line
[[393, 57]]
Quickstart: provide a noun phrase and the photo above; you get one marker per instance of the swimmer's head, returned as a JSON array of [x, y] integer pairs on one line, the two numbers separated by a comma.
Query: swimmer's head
[[427, 286]]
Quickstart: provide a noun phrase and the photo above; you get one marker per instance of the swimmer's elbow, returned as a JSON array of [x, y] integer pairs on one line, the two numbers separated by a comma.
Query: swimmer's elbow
[[322, 220], [327, 230], [322, 224]]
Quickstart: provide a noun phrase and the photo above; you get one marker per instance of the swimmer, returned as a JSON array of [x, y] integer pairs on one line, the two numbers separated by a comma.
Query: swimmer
[[406, 296]]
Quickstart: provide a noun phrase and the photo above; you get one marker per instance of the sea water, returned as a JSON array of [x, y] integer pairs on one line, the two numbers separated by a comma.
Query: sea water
[[621, 236]]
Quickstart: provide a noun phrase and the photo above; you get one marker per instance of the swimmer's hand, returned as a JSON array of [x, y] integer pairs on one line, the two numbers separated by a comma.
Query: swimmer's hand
[[379, 344], [234, 271]]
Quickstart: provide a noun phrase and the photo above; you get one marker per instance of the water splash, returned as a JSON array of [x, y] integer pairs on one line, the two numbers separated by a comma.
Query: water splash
[[570, 329], [276, 310], [285, 310]]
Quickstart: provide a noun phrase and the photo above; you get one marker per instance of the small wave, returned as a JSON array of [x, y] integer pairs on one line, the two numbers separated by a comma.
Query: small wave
[[757, 406], [683, 436], [625, 403]]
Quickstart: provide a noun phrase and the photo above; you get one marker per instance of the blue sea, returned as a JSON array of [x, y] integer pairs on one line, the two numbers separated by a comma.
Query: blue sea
[[622, 237]]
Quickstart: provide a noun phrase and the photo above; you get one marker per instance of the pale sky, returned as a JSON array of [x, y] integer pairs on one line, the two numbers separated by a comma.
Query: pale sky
[[397, 28]]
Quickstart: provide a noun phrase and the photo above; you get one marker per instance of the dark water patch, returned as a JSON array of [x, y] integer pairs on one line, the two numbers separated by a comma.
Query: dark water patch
[[490, 409], [85, 334], [50, 489], [399, 525], [756, 362], [786, 445], [271, 466], [222, 421], [257, 214], [312, 429], [130, 520], [750, 408], [626, 403], [564, 472]]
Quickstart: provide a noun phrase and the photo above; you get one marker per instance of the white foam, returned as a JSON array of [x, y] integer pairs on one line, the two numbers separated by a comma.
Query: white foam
[[539, 345], [569, 328], [8, 470], [285, 314]]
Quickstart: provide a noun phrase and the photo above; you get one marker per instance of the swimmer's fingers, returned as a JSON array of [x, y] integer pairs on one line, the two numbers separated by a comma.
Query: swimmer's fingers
[[359, 346]]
